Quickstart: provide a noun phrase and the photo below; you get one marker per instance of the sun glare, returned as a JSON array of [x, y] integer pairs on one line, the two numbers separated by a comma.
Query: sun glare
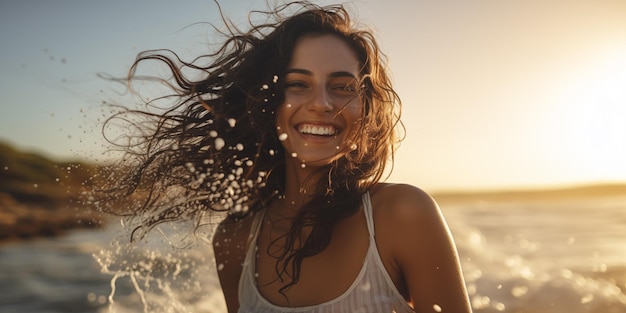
[[589, 119]]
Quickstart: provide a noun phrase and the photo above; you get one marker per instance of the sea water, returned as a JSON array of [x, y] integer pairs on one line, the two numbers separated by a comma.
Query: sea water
[[518, 256], [554, 255]]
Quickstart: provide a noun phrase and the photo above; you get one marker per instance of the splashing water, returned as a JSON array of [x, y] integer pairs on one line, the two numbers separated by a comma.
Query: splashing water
[[171, 270], [219, 143]]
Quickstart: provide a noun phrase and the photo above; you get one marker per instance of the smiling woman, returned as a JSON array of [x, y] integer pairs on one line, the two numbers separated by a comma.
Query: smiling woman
[[322, 111], [288, 131]]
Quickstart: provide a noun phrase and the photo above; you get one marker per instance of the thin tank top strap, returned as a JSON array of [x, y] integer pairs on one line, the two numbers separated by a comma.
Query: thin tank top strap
[[369, 214], [255, 227]]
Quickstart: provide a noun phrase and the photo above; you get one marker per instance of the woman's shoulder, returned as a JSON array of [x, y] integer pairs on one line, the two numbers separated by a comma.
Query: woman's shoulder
[[230, 238], [401, 201], [232, 228], [417, 248], [402, 213]]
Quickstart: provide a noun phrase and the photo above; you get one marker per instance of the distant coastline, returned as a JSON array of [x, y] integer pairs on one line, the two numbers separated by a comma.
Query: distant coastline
[[548, 194], [40, 197]]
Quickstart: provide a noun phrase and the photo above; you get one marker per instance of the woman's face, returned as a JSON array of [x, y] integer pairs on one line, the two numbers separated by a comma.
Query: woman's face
[[322, 105]]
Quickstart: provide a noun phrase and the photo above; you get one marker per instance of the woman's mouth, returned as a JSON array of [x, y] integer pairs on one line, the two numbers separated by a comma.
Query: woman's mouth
[[317, 130]]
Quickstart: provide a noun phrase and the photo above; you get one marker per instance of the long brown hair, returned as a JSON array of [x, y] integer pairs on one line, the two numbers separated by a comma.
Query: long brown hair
[[215, 145]]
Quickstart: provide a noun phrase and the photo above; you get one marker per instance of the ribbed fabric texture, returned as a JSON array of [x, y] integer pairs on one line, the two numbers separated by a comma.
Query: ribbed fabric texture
[[372, 291]]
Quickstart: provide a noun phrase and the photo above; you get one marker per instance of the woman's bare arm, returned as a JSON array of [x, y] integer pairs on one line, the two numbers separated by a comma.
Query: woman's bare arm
[[230, 246], [424, 252]]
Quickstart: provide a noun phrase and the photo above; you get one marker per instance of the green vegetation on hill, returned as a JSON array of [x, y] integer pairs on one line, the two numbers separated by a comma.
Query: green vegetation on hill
[[39, 196]]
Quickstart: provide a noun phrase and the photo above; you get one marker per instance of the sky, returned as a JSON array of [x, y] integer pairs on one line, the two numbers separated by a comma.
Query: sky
[[496, 94]]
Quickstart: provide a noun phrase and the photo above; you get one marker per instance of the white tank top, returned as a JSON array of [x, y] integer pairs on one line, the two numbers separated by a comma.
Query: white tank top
[[372, 291]]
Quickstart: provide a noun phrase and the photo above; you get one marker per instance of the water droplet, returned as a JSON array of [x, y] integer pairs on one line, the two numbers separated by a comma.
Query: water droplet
[[275, 79], [220, 266], [232, 122], [190, 167], [265, 87], [294, 155], [219, 143], [519, 291], [366, 286], [479, 302], [566, 273], [288, 105], [213, 134], [271, 153], [239, 147], [600, 268], [302, 165], [587, 298], [282, 137], [436, 307]]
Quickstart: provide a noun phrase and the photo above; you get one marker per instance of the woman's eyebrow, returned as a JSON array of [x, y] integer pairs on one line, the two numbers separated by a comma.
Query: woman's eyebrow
[[299, 71], [342, 74], [309, 73]]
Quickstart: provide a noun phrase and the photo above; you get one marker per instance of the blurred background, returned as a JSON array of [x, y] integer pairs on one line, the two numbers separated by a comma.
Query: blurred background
[[514, 114]]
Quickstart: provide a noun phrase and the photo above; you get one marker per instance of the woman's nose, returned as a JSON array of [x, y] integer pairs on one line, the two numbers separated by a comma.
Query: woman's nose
[[321, 101]]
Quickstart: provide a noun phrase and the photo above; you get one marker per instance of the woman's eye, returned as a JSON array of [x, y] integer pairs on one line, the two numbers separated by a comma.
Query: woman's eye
[[348, 89], [298, 85]]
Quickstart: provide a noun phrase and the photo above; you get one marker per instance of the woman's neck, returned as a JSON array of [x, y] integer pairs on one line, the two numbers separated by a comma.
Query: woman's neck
[[301, 184]]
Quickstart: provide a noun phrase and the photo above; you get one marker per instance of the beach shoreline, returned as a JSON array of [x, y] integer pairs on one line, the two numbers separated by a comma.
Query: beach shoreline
[[20, 220]]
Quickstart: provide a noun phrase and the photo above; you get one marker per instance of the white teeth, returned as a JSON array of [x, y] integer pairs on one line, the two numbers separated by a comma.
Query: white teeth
[[317, 130]]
